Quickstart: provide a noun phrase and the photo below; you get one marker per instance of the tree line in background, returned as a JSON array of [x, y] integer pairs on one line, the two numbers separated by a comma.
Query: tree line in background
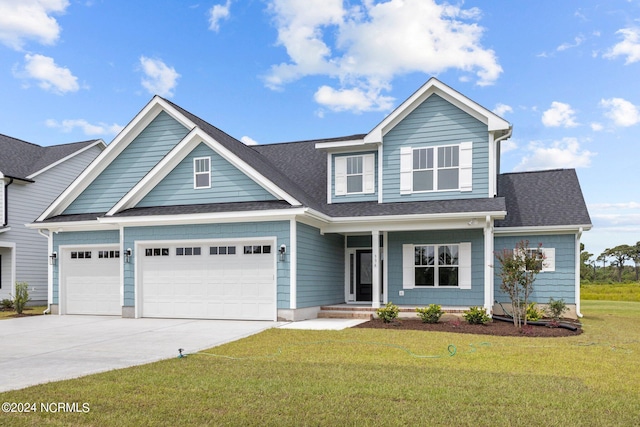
[[612, 265]]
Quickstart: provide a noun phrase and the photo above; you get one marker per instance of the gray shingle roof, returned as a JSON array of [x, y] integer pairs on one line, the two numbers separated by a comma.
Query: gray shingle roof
[[543, 198], [19, 159]]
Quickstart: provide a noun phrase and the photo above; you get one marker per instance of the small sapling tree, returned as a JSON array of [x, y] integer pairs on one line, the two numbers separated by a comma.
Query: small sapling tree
[[518, 271]]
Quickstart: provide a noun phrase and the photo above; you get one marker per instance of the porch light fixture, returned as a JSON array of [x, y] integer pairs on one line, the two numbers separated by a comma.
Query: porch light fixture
[[53, 258], [127, 255], [283, 250]]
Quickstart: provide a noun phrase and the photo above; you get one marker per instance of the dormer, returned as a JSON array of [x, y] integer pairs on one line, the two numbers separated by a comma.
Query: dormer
[[437, 145]]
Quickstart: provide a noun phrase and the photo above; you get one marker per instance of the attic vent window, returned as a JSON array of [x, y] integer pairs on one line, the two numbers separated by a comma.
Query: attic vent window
[[202, 172]]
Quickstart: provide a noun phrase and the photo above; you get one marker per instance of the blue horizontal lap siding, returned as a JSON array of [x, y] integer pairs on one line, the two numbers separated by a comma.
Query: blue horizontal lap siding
[[320, 267], [280, 229], [228, 184], [434, 123], [443, 296], [354, 197], [77, 238], [557, 284], [135, 161]]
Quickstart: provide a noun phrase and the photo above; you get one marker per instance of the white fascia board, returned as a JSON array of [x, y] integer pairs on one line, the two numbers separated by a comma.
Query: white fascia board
[[56, 227], [411, 222], [434, 86], [70, 156], [119, 143], [554, 229], [357, 144], [203, 218], [176, 155]]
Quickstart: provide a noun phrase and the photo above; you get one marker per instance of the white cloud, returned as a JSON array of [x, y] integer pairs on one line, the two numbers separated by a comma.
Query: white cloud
[[560, 114], [622, 112], [21, 20], [629, 47], [502, 109], [50, 76], [565, 153], [615, 206], [365, 46], [248, 140], [86, 127], [355, 99], [217, 13], [597, 127], [576, 42], [158, 78], [508, 145]]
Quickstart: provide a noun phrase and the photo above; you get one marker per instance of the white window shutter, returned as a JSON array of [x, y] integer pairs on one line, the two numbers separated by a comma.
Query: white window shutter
[[549, 263], [466, 166], [341, 176], [369, 172], [464, 269], [406, 170], [408, 266]]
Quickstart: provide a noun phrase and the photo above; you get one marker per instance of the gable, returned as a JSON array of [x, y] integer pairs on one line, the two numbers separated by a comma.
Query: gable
[[436, 123], [130, 166], [228, 184]]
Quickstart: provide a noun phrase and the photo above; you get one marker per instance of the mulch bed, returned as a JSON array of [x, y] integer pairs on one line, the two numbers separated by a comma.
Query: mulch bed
[[497, 328]]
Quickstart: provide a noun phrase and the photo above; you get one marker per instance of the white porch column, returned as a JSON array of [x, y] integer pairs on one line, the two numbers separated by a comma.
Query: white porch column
[[375, 267], [488, 263]]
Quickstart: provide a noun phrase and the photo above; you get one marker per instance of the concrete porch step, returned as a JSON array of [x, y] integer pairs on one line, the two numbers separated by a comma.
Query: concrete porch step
[[344, 314]]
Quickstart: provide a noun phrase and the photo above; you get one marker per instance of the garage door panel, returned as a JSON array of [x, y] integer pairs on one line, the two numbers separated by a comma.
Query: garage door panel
[[90, 281], [218, 286]]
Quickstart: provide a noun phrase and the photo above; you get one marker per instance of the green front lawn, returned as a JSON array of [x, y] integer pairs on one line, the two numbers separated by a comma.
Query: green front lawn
[[28, 311], [362, 377]]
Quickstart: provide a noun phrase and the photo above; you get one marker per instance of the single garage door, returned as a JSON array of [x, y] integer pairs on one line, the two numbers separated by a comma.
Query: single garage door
[[91, 280], [220, 280]]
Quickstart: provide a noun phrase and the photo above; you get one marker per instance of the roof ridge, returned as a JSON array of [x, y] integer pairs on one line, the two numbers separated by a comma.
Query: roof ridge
[[539, 171]]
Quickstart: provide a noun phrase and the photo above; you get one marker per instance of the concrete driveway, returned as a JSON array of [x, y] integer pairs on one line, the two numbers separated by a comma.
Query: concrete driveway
[[41, 349]]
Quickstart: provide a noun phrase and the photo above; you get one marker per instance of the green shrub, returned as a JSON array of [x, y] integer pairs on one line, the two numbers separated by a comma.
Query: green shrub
[[556, 308], [6, 304], [430, 314], [388, 313], [533, 313], [22, 296], [476, 315]]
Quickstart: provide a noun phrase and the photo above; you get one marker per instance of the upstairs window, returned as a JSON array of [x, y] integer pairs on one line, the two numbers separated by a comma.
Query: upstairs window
[[442, 168], [354, 174], [202, 172]]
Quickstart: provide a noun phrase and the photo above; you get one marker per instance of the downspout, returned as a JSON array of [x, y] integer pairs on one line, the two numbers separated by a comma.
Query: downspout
[[497, 144], [578, 237], [6, 202], [49, 273]]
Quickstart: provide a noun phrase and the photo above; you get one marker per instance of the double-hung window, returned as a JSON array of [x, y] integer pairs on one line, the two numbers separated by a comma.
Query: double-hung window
[[202, 172], [354, 174], [440, 168], [436, 266]]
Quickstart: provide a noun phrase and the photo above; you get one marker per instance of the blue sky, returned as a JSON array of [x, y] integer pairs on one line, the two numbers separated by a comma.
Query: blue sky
[[564, 73]]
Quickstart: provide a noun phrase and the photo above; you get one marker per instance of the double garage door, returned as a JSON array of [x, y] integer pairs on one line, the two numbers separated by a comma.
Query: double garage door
[[213, 280]]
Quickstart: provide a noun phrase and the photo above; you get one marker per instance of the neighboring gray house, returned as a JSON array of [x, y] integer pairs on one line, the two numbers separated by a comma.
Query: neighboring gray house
[[31, 177], [178, 219]]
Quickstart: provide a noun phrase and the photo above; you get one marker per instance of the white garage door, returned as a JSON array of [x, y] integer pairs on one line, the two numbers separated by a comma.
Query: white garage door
[[91, 281], [221, 280]]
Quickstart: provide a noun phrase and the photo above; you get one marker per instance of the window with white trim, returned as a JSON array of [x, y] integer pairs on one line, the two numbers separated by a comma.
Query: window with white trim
[[436, 266], [545, 258], [440, 168], [354, 174], [202, 172]]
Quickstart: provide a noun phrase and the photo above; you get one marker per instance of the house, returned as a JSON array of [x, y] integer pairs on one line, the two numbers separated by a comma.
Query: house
[[178, 219], [31, 177]]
